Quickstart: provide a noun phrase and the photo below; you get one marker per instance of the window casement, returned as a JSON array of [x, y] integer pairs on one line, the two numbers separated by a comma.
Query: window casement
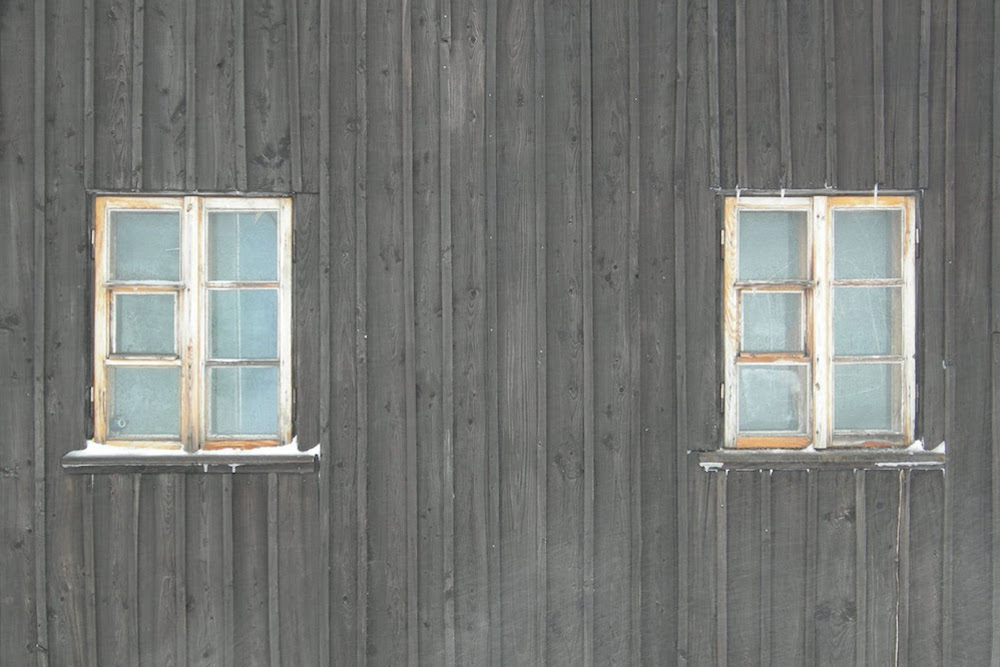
[[192, 313], [819, 321]]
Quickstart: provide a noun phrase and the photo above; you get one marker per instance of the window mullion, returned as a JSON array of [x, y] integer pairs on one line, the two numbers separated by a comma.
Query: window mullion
[[821, 323], [193, 347]]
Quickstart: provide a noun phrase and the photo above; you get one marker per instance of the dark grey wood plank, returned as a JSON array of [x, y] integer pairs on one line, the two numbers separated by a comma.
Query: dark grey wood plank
[[766, 562], [722, 569], [830, 93], [924, 92], [712, 28], [728, 162], [702, 568], [470, 296], [995, 341], [113, 63], [307, 347], [136, 93], [240, 92], [784, 95], [744, 538], [566, 634], [968, 298], [313, 43], [860, 566], [215, 103], [88, 93], [663, 617], [587, 321], [387, 323], [878, 88], [164, 102], [902, 629], [812, 562], [180, 563], [807, 95], [612, 348], [294, 92], [17, 284], [300, 632], [190, 94], [269, 83], [883, 507], [903, 105], [516, 331], [61, 368], [204, 568], [740, 57], [114, 584], [273, 573], [787, 598], [763, 95], [541, 324], [447, 341], [855, 104], [157, 613], [836, 609], [925, 583], [249, 524]]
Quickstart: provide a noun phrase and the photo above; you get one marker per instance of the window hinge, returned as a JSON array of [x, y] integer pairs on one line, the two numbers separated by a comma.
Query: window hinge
[[722, 243], [90, 402], [916, 239], [92, 239], [722, 396]]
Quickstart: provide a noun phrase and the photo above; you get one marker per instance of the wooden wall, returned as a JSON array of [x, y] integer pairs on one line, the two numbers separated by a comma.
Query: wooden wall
[[506, 331]]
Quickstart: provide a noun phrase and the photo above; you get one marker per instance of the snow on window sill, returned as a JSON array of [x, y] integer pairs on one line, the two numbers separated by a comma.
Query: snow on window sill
[[97, 458], [914, 457]]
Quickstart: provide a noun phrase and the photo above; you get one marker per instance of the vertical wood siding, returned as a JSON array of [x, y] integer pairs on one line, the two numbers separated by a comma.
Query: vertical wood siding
[[506, 331]]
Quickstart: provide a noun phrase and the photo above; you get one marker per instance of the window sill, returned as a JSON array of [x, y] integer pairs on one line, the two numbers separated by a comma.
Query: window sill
[[99, 459], [914, 457]]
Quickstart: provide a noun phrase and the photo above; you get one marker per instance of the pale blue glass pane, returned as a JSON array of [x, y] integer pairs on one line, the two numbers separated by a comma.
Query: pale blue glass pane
[[144, 324], [145, 245], [773, 245], [243, 245], [243, 323], [866, 244], [243, 401], [772, 322], [773, 398], [865, 320], [144, 403], [865, 397]]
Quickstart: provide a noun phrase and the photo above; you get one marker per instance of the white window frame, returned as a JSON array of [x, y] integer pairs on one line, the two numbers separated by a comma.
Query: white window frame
[[190, 317], [818, 328]]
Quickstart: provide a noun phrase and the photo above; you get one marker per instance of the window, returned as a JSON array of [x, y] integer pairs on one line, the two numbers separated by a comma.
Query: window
[[819, 320], [192, 313]]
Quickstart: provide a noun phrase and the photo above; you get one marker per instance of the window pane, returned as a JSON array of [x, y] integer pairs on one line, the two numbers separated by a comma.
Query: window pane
[[865, 320], [773, 399], [243, 402], [772, 321], [244, 323], [243, 245], [144, 324], [773, 245], [866, 244], [145, 245], [144, 402], [866, 397]]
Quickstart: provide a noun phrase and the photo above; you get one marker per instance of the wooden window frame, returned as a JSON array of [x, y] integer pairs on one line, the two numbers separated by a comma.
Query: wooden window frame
[[191, 294], [818, 330]]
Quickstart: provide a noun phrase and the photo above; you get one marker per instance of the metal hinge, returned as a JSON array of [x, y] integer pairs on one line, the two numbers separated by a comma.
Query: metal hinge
[[722, 243], [92, 242], [722, 396]]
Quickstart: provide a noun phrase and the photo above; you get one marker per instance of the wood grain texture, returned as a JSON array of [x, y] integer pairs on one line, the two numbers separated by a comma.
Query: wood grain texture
[[901, 36], [250, 577], [269, 92], [204, 569], [855, 103], [113, 90], [744, 591], [763, 95], [214, 106], [612, 347], [836, 607], [114, 585], [787, 598], [567, 637], [300, 633], [157, 614], [882, 506], [926, 581], [19, 604], [807, 102], [314, 57], [164, 103], [703, 570], [470, 296]]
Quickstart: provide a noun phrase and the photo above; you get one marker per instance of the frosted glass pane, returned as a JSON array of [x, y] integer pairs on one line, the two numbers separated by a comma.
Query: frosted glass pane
[[864, 320], [145, 245], [772, 322], [144, 324], [243, 246], [243, 402], [773, 245], [244, 323], [866, 397], [144, 403], [773, 398], [866, 244]]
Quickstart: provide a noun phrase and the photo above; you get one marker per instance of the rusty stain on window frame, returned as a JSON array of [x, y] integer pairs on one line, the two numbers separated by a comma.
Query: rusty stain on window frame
[[816, 293], [191, 295]]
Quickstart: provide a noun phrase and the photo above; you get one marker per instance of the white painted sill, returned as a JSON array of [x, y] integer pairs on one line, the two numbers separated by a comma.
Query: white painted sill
[[96, 458]]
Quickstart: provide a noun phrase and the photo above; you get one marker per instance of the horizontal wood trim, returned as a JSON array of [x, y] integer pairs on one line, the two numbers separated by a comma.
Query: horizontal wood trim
[[843, 459], [773, 442], [238, 444], [78, 462]]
